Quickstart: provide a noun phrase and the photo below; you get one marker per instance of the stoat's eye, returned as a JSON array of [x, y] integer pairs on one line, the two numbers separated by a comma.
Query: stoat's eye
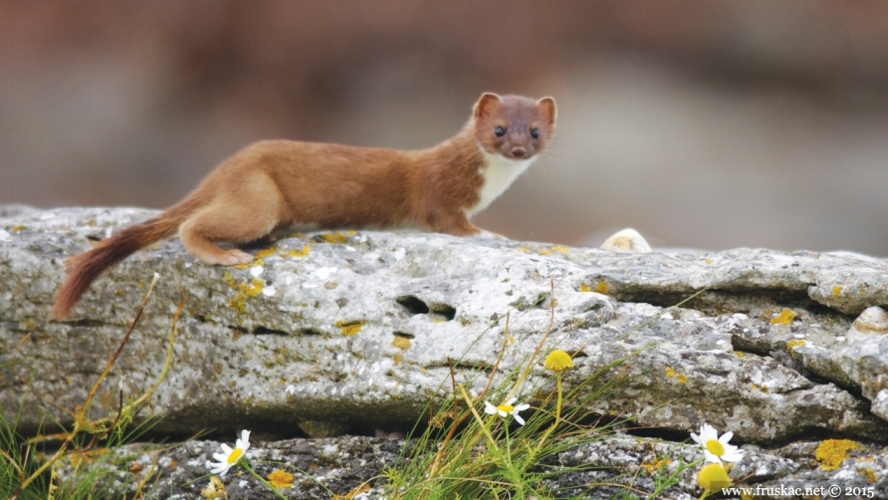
[[500, 131], [535, 133]]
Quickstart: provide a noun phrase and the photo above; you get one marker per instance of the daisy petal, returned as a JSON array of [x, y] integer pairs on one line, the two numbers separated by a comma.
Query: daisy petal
[[489, 408]]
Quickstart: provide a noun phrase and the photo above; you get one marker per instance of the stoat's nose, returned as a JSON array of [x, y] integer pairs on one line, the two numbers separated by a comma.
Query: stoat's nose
[[519, 152]]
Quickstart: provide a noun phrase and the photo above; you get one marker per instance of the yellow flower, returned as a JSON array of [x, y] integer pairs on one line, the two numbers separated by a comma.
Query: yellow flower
[[280, 479], [713, 477], [558, 361]]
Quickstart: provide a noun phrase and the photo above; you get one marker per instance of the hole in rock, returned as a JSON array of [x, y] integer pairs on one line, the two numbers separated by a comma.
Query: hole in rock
[[413, 304], [261, 330], [444, 310]]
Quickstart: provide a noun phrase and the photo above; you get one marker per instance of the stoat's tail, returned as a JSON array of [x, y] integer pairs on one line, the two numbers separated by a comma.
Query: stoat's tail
[[85, 267]]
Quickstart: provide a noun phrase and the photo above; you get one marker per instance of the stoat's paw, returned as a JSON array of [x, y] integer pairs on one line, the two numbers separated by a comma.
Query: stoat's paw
[[234, 257]]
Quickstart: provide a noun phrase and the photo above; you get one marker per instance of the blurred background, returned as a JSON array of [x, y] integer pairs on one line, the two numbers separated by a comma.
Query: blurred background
[[702, 124]]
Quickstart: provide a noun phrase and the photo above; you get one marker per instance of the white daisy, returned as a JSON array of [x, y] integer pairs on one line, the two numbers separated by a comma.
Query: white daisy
[[229, 458], [506, 409], [716, 449]]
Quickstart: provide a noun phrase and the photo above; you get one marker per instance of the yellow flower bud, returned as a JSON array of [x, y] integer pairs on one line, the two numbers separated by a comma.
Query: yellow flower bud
[[558, 361], [713, 477]]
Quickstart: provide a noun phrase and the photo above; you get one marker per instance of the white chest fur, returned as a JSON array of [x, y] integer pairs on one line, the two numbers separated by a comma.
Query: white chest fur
[[498, 174]]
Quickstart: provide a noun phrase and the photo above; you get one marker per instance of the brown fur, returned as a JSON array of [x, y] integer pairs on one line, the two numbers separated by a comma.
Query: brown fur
[[278, 183]]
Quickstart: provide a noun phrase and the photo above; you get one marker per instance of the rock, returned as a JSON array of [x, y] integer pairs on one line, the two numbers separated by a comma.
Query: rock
[[357, 328], [335, 464], [360, 330], [607, 467]]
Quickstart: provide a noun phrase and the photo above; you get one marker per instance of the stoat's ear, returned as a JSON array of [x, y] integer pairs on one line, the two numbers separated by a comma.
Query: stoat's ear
[[485, 106], [547, 109]]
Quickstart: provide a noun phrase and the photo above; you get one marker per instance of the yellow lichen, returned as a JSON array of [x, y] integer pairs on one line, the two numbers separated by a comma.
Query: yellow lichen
[[397, 358], [266, 252], [657, 465], [244, 290], [522, 249], [545, 251], [836, 291], [238, 304], [602, 287], [585, 288], [784, 318], [740, 354], [349, 328], [832, 452], [253, 288], [299, 253], [256, 262], [280, 479], [229, 279], [869, 475], [560, 249], [792, 344], [336, 237], [18, 228], [401, 342], [361, 488], [681, 377]]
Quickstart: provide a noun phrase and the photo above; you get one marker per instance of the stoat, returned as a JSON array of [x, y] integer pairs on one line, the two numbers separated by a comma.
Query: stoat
[[271, 184]]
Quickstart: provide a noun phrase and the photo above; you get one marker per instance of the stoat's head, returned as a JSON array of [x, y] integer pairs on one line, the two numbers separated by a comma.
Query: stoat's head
[[516, 127]]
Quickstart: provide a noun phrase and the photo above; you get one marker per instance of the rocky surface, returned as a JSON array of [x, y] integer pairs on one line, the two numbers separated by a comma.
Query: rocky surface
[[610, 467], [358, 329]]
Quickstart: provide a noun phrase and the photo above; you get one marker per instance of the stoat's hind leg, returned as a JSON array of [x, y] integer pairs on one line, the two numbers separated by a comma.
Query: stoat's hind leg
[[247, 214]]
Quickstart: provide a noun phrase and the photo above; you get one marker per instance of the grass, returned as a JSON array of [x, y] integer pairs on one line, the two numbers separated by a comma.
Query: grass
[[28, 467], [463, 454]]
